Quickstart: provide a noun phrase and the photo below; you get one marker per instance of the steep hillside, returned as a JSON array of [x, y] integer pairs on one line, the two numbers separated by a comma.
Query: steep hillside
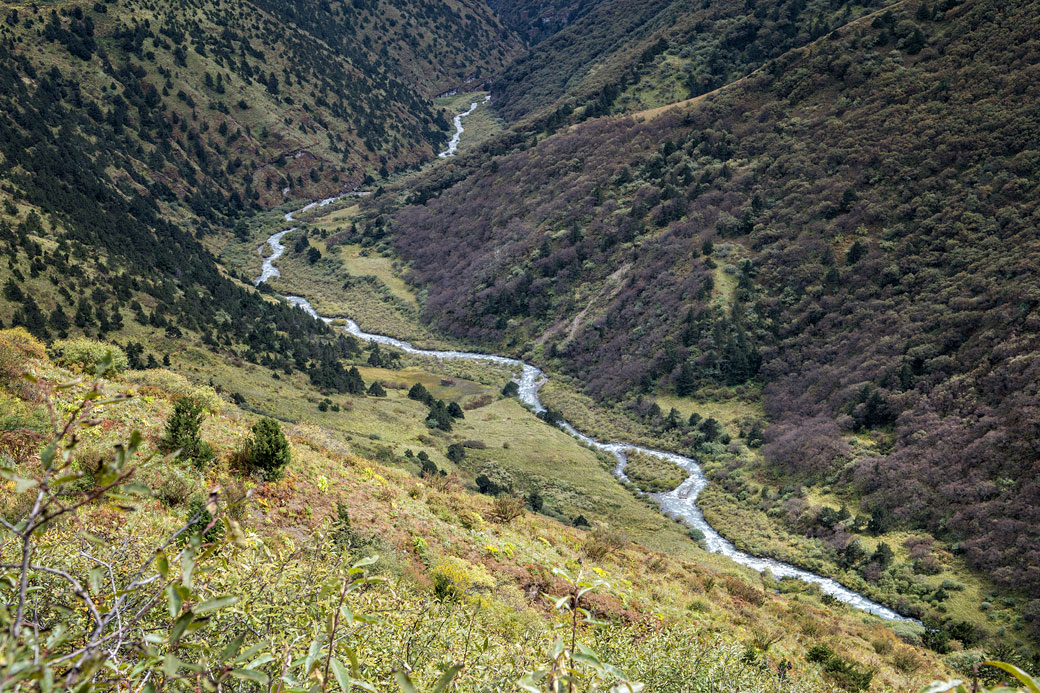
[[536, 20], [133, 135], [852, 226], [622, 55], [416, 574]]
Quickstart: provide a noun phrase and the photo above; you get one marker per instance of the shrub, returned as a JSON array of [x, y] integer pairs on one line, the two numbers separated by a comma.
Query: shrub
[[478, 402], [906, 660], [182, 432], [202, 525], [506, 508], [511, 389], [174, 385], [453, 577], [744, 592], [17, 348], [910, 633], [174, 488], [847, 675], [376, 390], [268, 452], [456, 453], [604, 541], [86, 354]]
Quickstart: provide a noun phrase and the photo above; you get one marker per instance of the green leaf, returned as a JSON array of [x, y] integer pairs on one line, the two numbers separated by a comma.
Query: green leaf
[[180, 625], [21, 484], [250, 652], [215, 604], [231, 651], [446, 678], [342, 677], [1028, 681], [259, 661], [531, 681], [312, 655], [93, 539], [162, 564], [355, 667], [47, 455], [187, 566], [404, 683], [171, 665], [250, 675], [96, 578], [173, 599], [365, 562]]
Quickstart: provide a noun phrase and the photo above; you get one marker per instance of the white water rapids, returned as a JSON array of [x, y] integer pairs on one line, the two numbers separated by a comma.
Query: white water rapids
[[681, 502], [453, 145]]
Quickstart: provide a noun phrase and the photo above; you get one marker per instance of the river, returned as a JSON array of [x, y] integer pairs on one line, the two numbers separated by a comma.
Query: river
[[680, 503], [453, 145]]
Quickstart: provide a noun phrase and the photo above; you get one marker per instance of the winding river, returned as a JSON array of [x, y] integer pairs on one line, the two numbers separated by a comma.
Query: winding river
[[680, 503], [453, 145]]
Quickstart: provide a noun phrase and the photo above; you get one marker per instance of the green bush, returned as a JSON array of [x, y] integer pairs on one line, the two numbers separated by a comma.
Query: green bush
[[174, 488], [267, 452], [197, 510], [87, 354], [456, 453], [182, 432]]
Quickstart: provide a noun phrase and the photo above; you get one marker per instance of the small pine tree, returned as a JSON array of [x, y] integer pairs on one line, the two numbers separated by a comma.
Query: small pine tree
[[420, 394], [182, 432], [455, 411], [376, 390], [268, 450]]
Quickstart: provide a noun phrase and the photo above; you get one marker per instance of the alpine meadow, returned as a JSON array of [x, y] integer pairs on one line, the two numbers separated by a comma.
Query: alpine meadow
[[560, 346]]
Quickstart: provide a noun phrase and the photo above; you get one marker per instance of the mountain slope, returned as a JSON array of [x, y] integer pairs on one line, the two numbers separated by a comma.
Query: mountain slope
[[622, 55], [131, 135], [536, 20], [786, 230], [460, 579]]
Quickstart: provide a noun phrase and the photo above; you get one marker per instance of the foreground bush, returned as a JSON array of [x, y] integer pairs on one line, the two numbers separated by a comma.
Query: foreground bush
[[268, 452], [87, 354]]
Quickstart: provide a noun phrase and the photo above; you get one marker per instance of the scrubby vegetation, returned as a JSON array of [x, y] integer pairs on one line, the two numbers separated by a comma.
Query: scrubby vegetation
[[259, 585], [778, 233]]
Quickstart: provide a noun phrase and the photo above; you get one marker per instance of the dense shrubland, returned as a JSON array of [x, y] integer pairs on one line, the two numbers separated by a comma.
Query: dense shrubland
[[620, 53], [786, 230]]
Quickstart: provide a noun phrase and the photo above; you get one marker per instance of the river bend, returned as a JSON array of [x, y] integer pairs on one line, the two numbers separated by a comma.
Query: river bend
[[680, 503]]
